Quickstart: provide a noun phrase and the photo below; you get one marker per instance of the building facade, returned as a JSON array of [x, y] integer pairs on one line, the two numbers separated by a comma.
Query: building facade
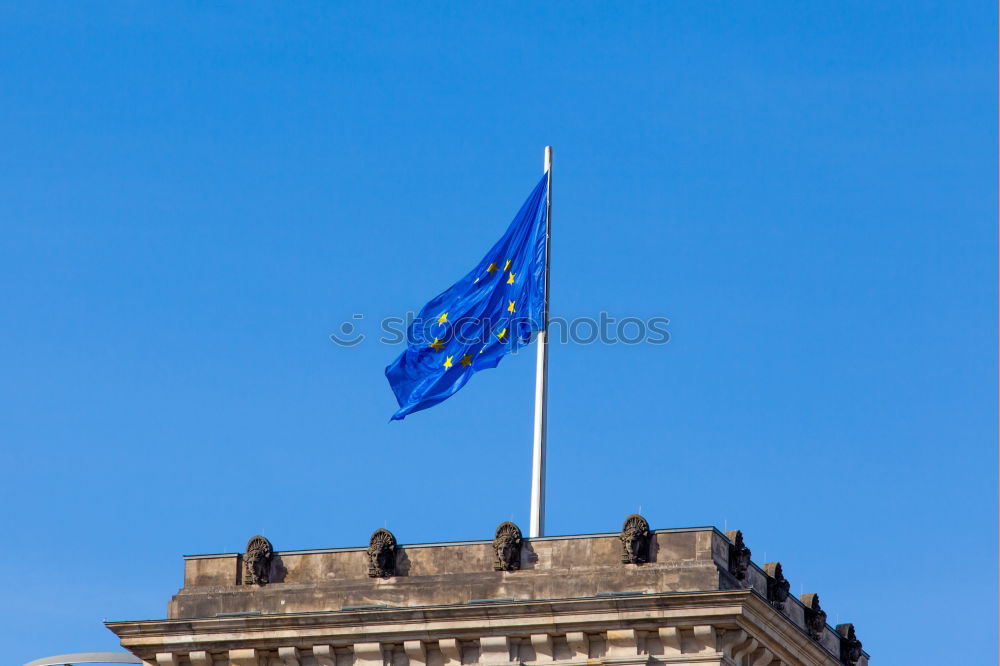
[[680, 596]]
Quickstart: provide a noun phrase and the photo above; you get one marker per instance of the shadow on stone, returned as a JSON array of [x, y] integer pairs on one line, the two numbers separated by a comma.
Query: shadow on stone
[[402, 563], [528, 556], [278, 570]]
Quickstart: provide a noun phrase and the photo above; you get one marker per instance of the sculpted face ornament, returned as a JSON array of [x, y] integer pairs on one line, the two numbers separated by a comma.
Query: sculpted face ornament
[[382, 554], [635, 540], [777, 585], [850, 646], [257, 561], [739, 555], [507, 547], [815, 616]]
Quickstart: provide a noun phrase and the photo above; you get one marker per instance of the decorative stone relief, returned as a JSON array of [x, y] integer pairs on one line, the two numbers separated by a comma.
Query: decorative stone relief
[[777, 585], [382, 554], [635, 540], [257, 561], [815, 616], [739, 555], [507, 547], [850, 646]]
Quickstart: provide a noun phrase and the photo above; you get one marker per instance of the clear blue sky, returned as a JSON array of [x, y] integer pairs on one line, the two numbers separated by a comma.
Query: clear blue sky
[[195, 195]]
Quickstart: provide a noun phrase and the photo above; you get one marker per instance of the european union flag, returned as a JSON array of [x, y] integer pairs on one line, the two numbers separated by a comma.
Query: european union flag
[[481, 318]]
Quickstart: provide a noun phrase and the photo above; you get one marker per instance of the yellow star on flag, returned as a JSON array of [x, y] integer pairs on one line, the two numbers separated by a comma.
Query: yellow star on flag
[[510, 280], [507, 266], [510, 308], [447, 361], [501, 334], [443, 319], [466, 361], [437, 345], [492, 268]]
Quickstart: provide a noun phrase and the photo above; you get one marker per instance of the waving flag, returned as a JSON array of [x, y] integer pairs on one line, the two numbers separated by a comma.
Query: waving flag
[[487, 314]]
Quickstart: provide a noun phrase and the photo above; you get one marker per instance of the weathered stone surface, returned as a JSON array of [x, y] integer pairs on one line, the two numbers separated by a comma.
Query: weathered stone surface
[[850, 646], [815, 616], [571, 600], [211, 571], [702, 628], [635, 538], [739, 555], [551, 568], [507, 546], [777, 585], [257, 561], [382, 554]]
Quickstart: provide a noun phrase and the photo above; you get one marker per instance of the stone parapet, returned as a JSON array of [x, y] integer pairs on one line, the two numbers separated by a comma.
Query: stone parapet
[[455, 573]]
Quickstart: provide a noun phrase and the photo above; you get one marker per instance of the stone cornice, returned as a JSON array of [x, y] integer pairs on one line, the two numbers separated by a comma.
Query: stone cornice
[[732, 611]]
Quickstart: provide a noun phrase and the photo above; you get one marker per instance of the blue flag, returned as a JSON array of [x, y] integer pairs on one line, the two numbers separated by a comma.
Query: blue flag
[[481, 318]]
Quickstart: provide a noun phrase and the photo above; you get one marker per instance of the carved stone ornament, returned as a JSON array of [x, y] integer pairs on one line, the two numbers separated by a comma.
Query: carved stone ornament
[[257, 561], [507, 547], [635, 540], [850, 646], [815, 616], [777, 585], [739, 555], [382, 554]]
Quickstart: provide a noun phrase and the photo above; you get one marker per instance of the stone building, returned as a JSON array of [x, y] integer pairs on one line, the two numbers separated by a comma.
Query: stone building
[[678, 596]]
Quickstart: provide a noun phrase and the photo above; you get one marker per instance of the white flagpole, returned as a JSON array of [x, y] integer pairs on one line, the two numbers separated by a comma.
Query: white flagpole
[[541, 379]]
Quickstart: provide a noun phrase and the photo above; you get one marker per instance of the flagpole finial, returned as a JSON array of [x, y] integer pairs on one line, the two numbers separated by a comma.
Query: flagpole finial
[[548, 159]]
